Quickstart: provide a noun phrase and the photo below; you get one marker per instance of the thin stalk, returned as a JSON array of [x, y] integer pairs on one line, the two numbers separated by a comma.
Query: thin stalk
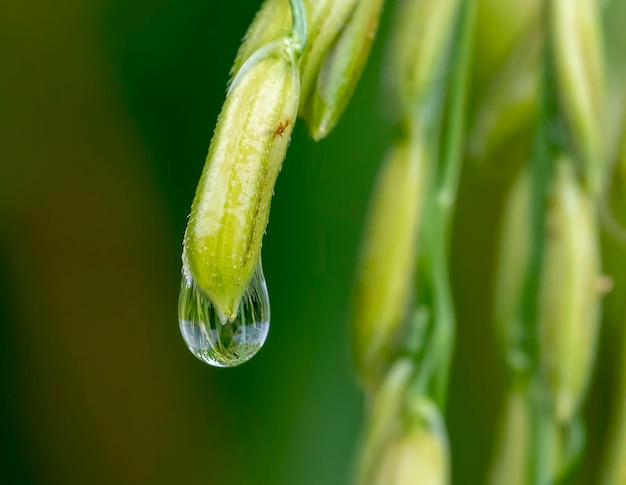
[[549, 142], [435, 283], [299, 25]]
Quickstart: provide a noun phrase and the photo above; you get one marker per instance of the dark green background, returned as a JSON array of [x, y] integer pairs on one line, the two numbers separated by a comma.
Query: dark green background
[[106, 113]]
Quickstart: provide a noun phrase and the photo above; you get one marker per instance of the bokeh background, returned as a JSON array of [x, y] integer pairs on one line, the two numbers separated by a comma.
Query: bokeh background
[[106, 112]]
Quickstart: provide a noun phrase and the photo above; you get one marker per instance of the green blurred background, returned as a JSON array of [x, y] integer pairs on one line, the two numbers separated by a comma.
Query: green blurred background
[[106, 113]]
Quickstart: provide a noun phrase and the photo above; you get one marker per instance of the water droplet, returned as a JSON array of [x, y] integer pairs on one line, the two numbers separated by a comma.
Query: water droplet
[[232, 343]]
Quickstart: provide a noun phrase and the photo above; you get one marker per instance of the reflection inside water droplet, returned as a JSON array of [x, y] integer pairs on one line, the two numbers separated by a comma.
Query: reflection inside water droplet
[[230, 344]]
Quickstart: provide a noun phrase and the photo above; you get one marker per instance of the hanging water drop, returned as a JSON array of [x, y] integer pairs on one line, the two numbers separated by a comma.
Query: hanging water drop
[[224, 344]]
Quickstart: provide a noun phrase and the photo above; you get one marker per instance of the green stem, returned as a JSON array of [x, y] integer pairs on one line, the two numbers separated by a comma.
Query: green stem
[[543, 430], [434, 283], [453, 139], [549, 143], [299, 25]]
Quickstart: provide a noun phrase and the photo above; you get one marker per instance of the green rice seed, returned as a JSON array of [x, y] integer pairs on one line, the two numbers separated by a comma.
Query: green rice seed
[[230, 210], [386, 267]]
